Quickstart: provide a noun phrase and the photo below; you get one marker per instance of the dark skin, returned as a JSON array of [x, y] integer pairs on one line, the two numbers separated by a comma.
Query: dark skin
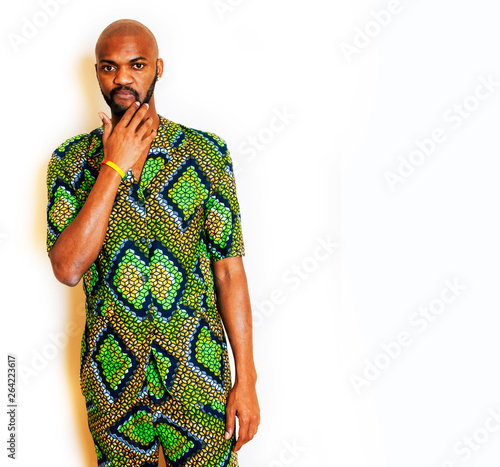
[[127, 55]]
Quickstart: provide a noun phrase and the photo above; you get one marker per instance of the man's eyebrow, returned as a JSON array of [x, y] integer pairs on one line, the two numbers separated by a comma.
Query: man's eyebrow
[[114, 63]]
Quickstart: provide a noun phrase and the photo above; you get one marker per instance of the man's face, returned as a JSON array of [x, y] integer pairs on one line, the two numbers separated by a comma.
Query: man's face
[[126, 72]]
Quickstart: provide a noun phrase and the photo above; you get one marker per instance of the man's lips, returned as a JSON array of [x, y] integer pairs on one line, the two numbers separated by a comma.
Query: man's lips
[[123, 94]]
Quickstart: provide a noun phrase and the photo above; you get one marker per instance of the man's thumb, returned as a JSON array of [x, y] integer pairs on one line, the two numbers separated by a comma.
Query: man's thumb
[[230, 420]]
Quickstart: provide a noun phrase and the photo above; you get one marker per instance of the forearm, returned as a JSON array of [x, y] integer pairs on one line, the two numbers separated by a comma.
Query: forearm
[[79, 243], [233, 302]]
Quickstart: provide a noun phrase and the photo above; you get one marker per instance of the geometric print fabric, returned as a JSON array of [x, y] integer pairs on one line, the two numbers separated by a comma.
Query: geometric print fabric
[[150, 299], [188, 435]]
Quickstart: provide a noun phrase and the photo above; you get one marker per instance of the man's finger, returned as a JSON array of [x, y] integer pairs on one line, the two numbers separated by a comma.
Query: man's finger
[[230, 421], [151, 136], [145, 129], [243, 433], [136, 120], [107, 126], [127, 116], [253, 427]]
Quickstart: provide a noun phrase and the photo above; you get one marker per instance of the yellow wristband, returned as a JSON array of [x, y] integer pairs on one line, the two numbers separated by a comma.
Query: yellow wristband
[[114, 166]]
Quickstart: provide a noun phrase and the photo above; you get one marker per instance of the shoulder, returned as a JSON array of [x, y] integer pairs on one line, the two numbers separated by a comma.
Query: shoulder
[[207, 139], [74, 145], [208, 149], [70, 156], [210, 143]]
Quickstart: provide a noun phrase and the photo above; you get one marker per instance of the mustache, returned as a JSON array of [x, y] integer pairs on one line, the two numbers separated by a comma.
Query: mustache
[[124, 88]]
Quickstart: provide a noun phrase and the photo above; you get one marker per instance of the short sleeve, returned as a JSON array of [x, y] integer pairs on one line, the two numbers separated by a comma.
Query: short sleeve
[[63, 205], [222, 215]]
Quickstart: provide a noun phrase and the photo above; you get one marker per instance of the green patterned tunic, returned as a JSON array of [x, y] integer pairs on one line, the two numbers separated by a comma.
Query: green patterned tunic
[[151, 312]]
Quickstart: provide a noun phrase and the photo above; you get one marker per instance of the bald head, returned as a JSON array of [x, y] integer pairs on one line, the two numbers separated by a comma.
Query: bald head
[[127, 28], [127, 66]]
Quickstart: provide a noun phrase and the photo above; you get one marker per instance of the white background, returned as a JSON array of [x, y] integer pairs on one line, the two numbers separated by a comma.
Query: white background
[[340, 266]]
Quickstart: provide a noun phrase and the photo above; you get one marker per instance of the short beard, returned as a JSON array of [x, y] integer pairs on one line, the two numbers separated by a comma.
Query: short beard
[[119, 110]]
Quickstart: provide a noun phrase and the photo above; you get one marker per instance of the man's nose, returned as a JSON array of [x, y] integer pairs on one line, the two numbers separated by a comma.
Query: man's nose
[[122, 77]]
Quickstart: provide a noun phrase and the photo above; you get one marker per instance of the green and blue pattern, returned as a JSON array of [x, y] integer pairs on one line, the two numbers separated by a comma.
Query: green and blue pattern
[[153, 337]]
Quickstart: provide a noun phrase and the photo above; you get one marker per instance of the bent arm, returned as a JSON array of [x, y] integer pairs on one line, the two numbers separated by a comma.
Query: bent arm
[[78, 245]]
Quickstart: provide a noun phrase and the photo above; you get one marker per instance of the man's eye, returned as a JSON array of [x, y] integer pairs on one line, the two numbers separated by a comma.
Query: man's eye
[[139, 66], [107, 68]]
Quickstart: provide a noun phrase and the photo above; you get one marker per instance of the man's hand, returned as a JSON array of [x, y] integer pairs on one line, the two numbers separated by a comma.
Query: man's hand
[[242, 403], [130, 138]]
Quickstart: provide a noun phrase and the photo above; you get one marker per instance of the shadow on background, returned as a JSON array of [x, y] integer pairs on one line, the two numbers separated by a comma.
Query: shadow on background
[[75, 297], [74, 321]]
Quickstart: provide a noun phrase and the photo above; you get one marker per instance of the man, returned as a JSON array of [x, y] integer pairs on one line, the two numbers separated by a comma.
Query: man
[[145, 210]]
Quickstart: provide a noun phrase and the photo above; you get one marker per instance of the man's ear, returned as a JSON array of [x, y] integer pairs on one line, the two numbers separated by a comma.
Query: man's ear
[[159, 66]]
